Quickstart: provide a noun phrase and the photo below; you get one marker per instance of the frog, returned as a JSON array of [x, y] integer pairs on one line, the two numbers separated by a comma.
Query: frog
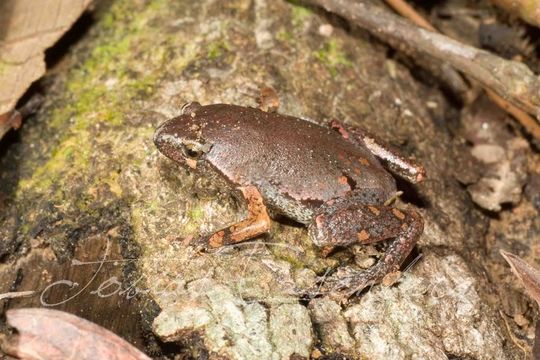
[[333, 179]]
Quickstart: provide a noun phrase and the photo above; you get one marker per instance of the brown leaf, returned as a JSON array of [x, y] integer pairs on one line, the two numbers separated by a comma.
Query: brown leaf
[[28, 28], [504, 175], [529, 276], [51, 334], [8, 121]]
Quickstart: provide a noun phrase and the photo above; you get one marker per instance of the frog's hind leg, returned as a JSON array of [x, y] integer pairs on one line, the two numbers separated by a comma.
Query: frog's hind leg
[[393, 159], [342, 226], [256, 223]]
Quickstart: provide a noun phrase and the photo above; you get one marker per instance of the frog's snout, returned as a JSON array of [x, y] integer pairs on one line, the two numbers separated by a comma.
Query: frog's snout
[[158, 134], [181, 145], [168, 134], [167, 141]]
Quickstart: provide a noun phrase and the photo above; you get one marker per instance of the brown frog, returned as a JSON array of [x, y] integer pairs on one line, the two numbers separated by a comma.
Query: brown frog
[[327, 178]]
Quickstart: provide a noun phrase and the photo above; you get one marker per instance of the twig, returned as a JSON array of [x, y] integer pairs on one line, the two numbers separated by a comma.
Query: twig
[[18, 294], [513, 337], [526, 9], [512, 80], [444, 72], [525, 119], [405, 10]]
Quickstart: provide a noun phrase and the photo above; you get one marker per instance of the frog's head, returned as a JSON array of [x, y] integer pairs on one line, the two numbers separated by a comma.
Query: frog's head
[[180, 138]]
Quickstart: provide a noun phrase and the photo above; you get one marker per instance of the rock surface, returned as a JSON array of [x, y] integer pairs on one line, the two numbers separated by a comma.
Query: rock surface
[[86, 164]]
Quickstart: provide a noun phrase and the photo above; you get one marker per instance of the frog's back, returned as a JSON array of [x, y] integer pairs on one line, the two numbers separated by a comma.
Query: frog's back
[[289, 157]]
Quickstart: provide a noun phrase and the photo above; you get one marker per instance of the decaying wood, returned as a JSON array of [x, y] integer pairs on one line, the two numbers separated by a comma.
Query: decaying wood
[[512, 80], [91, 281]]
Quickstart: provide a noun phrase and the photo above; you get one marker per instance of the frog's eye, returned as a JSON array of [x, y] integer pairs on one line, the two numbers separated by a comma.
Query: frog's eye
[[194, 150]]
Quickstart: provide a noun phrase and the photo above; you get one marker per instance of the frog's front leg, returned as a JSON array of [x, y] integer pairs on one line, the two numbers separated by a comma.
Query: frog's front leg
[[395, 161], [256, 223], [341, 224]]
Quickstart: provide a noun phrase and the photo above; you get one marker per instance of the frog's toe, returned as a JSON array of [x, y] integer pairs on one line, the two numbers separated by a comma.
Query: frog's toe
[[334, 290], [198, 244], [343, 284], [334, 285], [310, 292], [200, 248], [324, 285]]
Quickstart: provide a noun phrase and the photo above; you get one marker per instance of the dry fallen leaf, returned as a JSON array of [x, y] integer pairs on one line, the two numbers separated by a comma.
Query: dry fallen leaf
[[8, 121], [529, 276], [28, 28], [47, 334], [504, 176]]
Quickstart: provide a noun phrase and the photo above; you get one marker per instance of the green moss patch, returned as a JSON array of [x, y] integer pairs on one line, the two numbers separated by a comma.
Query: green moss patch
[[332, 56]]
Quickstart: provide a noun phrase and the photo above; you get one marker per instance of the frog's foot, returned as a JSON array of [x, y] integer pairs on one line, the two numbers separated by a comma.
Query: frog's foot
[[256, 223], [365, 224], [393, 159], [199, 245]]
